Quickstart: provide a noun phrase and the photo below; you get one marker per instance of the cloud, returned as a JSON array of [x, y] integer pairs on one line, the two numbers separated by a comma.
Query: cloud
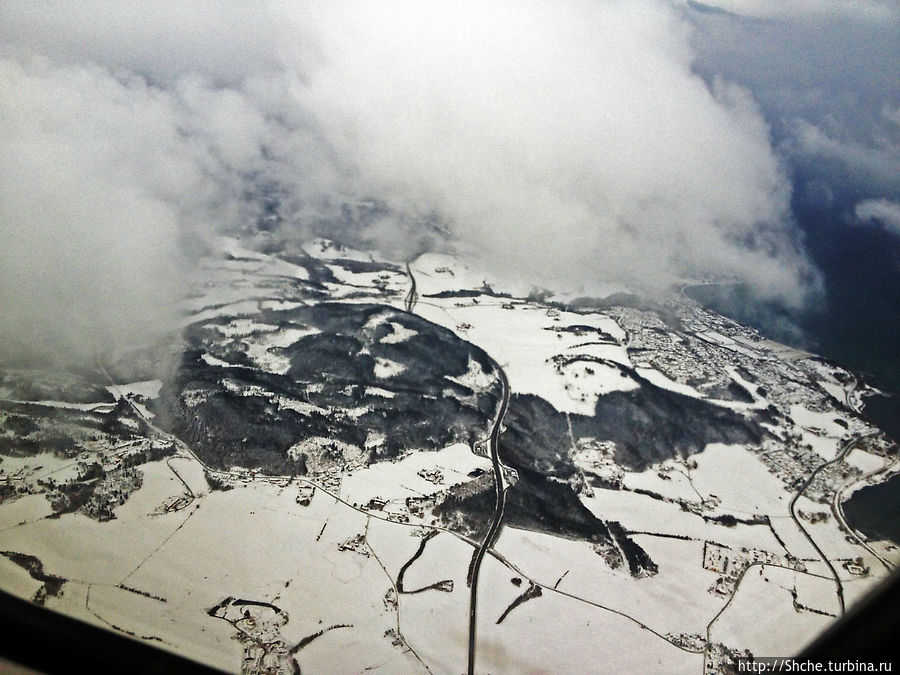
[[881, 210], [870, 165], [823, 75], [92, 175], [162, 41], [870, 10], [563, 143], [575, 143]]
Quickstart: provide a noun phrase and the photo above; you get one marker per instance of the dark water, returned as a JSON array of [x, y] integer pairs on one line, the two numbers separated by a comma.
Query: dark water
[[884, 413], [875, 510], [857, 326]]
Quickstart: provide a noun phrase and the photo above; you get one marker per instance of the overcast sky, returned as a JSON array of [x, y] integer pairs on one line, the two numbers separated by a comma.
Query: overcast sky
[[575, 141]]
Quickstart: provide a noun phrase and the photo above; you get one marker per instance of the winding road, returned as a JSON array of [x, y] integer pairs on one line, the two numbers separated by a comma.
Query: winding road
[[837, 507], [845, 449], [413, 295], [499, 488], [499, 506]]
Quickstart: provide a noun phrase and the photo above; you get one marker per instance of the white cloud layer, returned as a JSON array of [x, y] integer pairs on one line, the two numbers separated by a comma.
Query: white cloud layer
[[92, 176], [883, 211], [570, 142]]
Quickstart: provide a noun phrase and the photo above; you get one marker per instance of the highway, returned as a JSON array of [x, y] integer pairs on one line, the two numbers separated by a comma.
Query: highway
[[413, 295], [499, 506]]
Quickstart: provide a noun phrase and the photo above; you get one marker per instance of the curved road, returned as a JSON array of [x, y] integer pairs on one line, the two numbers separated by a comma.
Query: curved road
[[499, 557], [837, 508], [413, 295], [846, 448], [499, 505]]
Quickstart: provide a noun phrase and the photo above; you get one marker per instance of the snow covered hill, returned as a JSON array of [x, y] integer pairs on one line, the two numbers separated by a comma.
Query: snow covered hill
[[302, 475]]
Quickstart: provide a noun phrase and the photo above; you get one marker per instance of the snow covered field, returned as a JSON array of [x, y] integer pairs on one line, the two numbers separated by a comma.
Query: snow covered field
[[345, 575]]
